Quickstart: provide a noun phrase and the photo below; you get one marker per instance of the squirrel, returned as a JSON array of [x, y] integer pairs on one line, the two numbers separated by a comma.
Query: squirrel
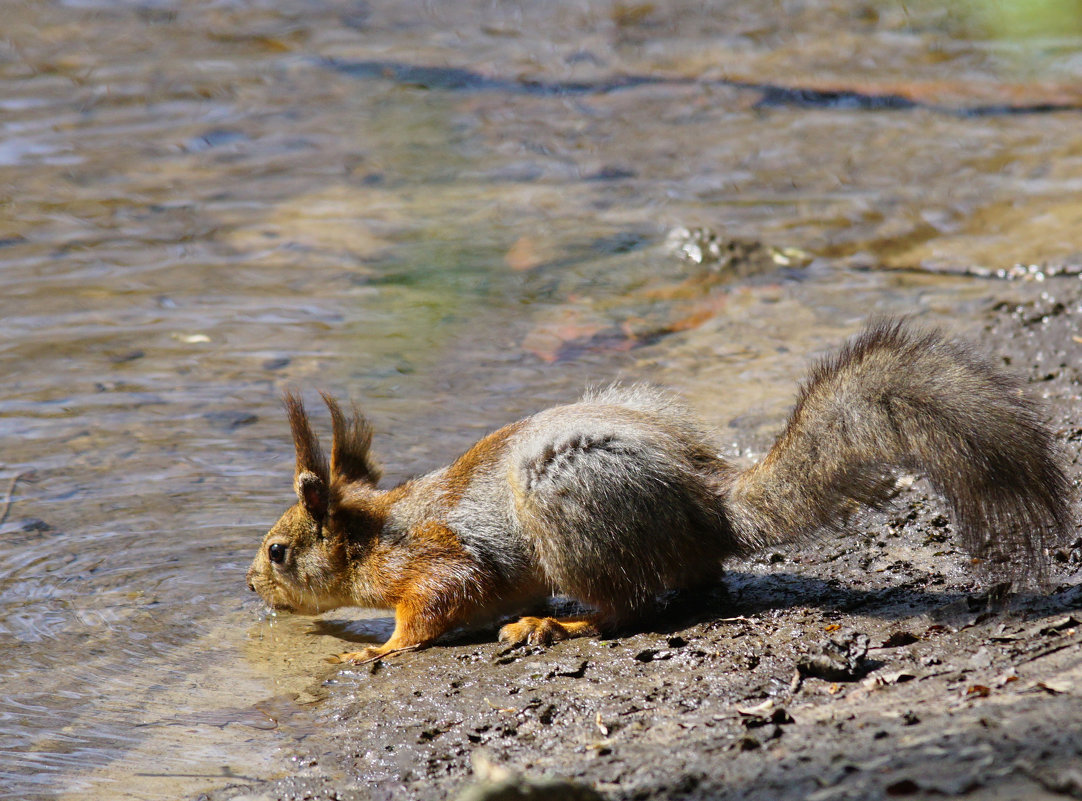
[[621, 496]]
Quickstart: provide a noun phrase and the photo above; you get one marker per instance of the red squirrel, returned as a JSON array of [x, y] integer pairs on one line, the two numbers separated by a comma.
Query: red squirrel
[[622, 495]]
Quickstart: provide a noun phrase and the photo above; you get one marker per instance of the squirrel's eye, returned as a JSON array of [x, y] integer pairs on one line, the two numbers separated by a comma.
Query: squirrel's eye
[[277, 553]]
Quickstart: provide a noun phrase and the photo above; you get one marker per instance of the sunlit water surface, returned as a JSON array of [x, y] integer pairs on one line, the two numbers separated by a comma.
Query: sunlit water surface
[[205, 203]]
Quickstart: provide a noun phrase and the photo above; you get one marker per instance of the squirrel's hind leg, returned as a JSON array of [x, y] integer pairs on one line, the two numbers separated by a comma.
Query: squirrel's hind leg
[[547, 630]]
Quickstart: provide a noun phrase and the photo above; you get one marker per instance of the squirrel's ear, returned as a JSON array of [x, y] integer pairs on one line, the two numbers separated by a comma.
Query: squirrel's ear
[[312, 492], [311, 473], [351, 459]]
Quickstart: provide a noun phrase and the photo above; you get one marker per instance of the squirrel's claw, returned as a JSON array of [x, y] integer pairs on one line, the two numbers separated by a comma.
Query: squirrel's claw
[[370, 654]]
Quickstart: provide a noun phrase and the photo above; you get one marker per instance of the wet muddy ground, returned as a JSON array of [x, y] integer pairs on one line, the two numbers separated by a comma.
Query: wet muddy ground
[[961, 692]]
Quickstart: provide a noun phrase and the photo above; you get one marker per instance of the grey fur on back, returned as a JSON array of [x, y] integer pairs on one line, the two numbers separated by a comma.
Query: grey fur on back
[[619, 497]]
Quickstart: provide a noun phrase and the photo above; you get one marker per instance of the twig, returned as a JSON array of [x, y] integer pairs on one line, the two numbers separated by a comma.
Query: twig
[[338, 660], [393, 652], [11, 494]]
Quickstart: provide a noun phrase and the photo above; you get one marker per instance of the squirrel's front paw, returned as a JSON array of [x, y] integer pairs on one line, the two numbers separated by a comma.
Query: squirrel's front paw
[[370, 654]]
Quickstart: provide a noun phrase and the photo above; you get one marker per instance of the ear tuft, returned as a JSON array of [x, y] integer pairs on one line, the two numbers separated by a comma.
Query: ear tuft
[[311, 463], [351, 458]]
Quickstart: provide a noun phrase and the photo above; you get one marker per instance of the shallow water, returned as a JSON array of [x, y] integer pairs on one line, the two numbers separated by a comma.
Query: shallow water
[[208, 202]]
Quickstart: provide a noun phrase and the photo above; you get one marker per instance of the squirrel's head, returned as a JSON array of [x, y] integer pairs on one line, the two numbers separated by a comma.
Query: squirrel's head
[[302, 565]]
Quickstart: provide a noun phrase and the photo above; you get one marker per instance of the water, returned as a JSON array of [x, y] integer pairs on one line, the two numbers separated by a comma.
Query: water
[[208, 202]]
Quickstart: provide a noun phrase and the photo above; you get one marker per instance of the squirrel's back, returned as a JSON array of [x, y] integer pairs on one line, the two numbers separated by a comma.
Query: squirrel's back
[[619, 496]]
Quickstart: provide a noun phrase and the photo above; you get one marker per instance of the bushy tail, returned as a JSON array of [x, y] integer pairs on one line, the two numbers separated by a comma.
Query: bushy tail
[[894, 398]]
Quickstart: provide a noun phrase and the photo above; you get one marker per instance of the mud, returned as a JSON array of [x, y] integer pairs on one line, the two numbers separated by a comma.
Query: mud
[[952, 688]]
